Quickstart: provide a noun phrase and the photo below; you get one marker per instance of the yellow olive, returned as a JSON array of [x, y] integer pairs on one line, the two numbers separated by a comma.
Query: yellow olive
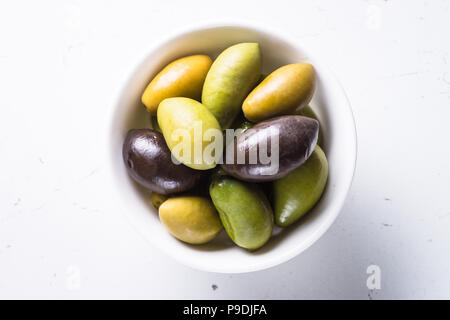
[[181, 78], [285, 90], [190, 219], [186, 125], [158, 199]]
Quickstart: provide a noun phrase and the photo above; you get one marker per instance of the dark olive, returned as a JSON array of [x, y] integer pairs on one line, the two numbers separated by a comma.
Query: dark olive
[[297, 137], [148, 161]]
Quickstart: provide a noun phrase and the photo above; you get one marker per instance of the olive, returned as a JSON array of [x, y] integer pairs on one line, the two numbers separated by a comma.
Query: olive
[[244, 211], [309, 112], [283, 91], [158, 199], [148, 161], [183, 77], [240, 122], [244, 126], [261, 78], [185, 123], [295, 194], [190, 219], [288, 142], [231, 77], [155, 125]]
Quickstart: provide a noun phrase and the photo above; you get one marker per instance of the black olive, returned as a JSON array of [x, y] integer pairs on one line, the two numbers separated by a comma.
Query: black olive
[[297, 137], [148, 161]]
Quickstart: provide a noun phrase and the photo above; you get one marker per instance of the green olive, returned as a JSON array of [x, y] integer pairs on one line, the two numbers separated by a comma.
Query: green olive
[[244, 210], [283, 91], [295, 194], [190, 219], [232, 76], [309, 112], [184, 122], [183, 77], [157, 199]]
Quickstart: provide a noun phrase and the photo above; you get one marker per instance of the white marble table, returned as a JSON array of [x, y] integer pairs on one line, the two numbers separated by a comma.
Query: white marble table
[[61, 64]]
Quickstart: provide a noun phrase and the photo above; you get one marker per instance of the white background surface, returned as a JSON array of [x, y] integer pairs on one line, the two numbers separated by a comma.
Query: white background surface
[[61, 64]]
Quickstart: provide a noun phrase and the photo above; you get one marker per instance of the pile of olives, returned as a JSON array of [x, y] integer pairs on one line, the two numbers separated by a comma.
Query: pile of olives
[[195, 199]]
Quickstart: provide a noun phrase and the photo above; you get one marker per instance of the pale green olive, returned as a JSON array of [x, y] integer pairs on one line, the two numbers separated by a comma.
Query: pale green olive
[[186, 125], [295, 194], [283, 91], [231, 77], [190, 219]]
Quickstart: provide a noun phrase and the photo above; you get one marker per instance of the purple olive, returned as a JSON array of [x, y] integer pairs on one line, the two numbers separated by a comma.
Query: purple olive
[[289, 142], [148, 161]]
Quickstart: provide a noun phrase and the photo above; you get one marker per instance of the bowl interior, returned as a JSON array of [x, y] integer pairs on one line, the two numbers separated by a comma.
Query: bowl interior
[[221, 255]]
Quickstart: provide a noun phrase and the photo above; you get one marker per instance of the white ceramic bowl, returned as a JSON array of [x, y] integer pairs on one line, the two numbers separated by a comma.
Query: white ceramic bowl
[[329, 102]]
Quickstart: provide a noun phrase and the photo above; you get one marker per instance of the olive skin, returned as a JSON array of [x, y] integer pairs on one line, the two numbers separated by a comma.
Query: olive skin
[[285, 90], [184, 122], [190, 219], [183, 77], [244, 211], [309, 112], [232, 76], [295, 194], [155, 125], [148, 161], [157, 199], [244, 126], [297, 137], [240, 122]]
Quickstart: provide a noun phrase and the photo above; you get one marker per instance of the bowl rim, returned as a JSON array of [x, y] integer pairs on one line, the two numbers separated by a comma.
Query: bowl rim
[[276, 33]]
